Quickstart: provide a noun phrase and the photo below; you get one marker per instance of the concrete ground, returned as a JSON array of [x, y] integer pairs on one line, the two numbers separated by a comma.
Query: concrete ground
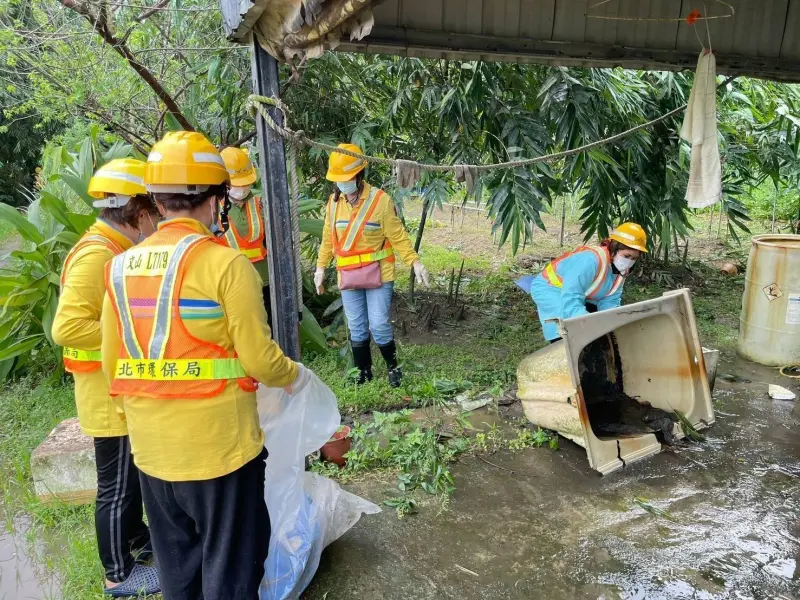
[[555, 529]]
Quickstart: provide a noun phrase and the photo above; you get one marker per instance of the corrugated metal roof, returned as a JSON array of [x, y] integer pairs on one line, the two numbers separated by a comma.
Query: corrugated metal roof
[[762, 39]]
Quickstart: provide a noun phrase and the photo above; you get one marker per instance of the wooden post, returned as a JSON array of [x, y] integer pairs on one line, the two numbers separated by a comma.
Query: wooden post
[[277, 211]]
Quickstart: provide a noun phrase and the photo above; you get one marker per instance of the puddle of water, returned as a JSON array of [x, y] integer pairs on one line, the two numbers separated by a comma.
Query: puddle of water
[[553, 529], [21, 577]]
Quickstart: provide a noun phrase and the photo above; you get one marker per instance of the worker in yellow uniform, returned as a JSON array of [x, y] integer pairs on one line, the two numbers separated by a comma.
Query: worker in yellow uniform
[[127, 216], [246, 232], [185, 344], [365, 235]]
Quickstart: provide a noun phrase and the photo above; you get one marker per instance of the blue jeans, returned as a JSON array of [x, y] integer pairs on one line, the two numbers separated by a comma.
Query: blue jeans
[[367, 312]]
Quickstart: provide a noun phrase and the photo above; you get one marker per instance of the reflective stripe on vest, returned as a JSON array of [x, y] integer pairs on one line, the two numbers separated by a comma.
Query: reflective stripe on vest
[[553, 278], [149, 261], [251, 245], [165, 262], [345, 257], [618, 281], [84, 361], [82, 355], [81, 361], [182, 369], [359, 259]]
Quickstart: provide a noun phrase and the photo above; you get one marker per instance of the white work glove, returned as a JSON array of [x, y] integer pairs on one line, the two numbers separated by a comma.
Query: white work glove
[[319, 279], [421, 274], [302, 379]]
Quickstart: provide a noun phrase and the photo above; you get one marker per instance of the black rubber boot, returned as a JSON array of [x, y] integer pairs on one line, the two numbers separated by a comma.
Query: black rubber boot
[[362, 357], [389, 353]]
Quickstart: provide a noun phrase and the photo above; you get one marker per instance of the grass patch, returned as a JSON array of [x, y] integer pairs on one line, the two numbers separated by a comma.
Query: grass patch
[[482, 351]]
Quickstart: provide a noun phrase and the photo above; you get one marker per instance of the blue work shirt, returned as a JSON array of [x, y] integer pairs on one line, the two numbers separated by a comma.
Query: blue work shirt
[[577, 272]]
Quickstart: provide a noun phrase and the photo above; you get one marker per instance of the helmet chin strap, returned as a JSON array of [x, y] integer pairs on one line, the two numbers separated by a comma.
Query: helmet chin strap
[[223, 215]]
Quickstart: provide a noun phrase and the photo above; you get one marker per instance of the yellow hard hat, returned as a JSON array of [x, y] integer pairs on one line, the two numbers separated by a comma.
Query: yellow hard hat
[[116, 182], [632, 235], [184, 162], [342, 167], [241, 170]]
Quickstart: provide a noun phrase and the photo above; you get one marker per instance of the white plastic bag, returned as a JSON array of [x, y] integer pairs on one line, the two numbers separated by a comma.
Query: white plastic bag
[[307, 512]]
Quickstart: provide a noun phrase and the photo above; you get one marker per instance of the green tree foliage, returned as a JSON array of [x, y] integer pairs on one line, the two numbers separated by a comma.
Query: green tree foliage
[[30, 283], [140, 71]]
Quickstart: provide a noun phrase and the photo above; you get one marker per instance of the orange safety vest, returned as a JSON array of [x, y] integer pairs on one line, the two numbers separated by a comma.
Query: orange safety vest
[[252, 244], [159, 358], [604, 264], [346, 257], [85, 361]]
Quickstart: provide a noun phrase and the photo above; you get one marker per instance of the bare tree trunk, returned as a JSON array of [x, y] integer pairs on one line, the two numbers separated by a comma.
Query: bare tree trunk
[[563, 221]]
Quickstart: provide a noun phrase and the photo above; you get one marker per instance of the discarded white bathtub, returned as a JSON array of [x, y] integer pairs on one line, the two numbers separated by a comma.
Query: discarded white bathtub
[[649, 351]]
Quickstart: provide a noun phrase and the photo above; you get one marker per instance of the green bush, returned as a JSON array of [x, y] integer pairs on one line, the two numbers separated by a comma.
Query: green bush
[[59, 212]]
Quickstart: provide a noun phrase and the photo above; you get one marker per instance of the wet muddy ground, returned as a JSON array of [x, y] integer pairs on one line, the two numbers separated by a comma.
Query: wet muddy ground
[[22, 577], [555, 529]]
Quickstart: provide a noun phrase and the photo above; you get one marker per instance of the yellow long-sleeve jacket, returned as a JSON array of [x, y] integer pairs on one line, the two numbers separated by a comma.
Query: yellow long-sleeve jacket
[[382, 226], [199, 439], [77, 325]]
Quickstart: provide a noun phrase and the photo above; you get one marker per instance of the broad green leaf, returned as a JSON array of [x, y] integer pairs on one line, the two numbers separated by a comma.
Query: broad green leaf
[[49, 315], [25, 228], [22, 346], [81, 222], [68, 238], [172, 123], [19, 298], [33, 255], [57, 208], [118, 150], [311, 334], [79, 186], [333, 307], [6, 366], [312, 227]]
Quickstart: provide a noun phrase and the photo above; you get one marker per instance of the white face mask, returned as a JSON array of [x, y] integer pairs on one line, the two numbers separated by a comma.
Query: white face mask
[[239, 193], [624, 265], [348, 188]]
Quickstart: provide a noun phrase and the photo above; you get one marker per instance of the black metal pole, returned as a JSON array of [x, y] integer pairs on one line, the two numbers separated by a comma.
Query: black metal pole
[[425, 208], [277, 211]]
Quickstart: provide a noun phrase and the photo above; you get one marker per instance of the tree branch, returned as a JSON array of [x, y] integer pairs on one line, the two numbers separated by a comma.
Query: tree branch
[[100, 24], [245, 138], [142, 146], [153, 10]]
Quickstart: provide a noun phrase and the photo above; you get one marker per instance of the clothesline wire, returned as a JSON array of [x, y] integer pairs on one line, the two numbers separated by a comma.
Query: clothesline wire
[[299, 139], [732, 13]]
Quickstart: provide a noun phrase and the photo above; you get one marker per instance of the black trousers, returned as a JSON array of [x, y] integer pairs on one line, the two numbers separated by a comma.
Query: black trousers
[[118, 511], [210, 538]]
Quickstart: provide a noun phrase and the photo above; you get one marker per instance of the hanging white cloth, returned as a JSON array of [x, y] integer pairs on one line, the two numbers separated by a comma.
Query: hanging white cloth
[[700, 130]]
